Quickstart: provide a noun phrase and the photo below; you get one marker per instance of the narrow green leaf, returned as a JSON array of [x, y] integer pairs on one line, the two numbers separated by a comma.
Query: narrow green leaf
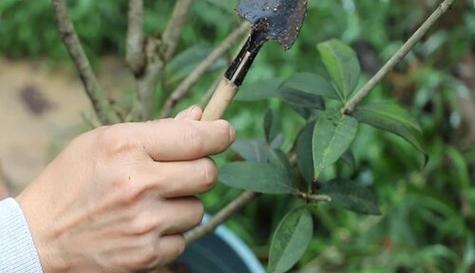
[[272, 125], [278, 141], [181, 65], [349, 195], [259, 90], [349, 159], [342, 65], [311, 83], [257, 177], [255, 150], [290, 240], [304, 154], [332, 136], [306, 113], [390, 117], [301, 99], [281, 159], [458, 169]]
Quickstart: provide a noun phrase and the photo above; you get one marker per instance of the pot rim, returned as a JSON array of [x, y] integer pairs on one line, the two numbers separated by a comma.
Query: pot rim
[[241, 249]]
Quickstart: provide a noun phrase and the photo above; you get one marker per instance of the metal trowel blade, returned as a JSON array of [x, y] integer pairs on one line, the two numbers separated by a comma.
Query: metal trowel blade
[[281, 19]]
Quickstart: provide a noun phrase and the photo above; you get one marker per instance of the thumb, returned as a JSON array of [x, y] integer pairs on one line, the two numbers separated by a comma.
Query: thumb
[[193, 113]]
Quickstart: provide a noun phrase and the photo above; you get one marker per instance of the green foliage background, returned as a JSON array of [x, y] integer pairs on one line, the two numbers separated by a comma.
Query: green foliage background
[[428, 212]]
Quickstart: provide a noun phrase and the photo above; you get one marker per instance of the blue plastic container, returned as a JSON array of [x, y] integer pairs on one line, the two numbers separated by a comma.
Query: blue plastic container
[[220, 252]]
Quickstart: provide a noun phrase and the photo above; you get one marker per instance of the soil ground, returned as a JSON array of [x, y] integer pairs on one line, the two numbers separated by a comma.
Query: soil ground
[[42, 109]]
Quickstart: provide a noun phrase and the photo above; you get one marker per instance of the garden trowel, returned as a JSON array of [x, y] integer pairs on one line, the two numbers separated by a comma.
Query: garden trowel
[[279, 20]]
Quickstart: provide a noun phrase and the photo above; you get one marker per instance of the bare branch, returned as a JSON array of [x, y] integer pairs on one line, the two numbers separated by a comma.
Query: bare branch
[[135, 56], [220, 217], [398, 56], [100, 103], [147, 82], [185, 87], [315, 197], [157, 53], [172, 33]]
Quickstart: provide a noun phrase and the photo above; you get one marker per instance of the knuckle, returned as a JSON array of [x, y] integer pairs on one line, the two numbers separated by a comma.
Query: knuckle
[[209, 173], [144, 223], [143, 259], [130, 192], [113, 141], [180, 245], [225, 132], [194, 139], [173, 251], [158, 183], [134, 183], [199, 211], [149, 254]]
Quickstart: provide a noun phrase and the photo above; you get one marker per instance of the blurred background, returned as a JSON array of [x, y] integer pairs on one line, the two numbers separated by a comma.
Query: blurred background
[[428, 217]]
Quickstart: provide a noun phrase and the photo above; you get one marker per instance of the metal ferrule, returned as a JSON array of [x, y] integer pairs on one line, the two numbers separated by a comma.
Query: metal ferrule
[[240, 66]]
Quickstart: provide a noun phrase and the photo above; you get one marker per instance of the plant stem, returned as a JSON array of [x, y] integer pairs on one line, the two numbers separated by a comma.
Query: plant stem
[[315, 197], [157, 53], [171, 35], [135, 56], [220, 217], [186, 85], [102, 107], [397, 57]]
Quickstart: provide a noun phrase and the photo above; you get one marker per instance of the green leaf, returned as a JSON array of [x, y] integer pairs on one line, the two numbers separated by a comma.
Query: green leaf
[[278, 141], [254, 150], [272, 125], [259, 90], [257, 150], [186, 61], [332, 136], [290, 240], [227, 5], [301, 99], [351, 196], [280, 159], [349, 159], [306, 113], [311, 83], [391, 117], [459, 171], [304, 156], [342, 65], [257, 177]]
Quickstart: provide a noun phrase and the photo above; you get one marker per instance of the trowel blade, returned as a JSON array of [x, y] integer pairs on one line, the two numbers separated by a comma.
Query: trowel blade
[[282, 19]]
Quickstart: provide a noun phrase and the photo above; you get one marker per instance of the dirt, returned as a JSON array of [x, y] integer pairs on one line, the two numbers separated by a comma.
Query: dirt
[[41, 109]]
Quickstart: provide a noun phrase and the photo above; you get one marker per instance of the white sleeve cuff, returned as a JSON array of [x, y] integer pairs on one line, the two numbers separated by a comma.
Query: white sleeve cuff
[[17, 249]]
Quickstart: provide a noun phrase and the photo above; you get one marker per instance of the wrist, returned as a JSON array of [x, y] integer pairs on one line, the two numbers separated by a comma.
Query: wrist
[[46, 244]]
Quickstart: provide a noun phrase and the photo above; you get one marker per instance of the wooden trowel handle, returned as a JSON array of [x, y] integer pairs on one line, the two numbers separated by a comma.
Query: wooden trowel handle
[[222, 97], [234, 76]]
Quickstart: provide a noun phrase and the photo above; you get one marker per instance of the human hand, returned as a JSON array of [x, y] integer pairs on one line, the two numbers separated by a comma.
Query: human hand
[[118, 198]]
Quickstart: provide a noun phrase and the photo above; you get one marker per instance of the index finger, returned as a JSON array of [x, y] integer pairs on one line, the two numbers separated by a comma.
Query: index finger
[[179, 139]]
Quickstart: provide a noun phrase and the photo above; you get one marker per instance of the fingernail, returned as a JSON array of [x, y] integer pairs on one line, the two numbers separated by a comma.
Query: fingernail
[[194, 109]]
